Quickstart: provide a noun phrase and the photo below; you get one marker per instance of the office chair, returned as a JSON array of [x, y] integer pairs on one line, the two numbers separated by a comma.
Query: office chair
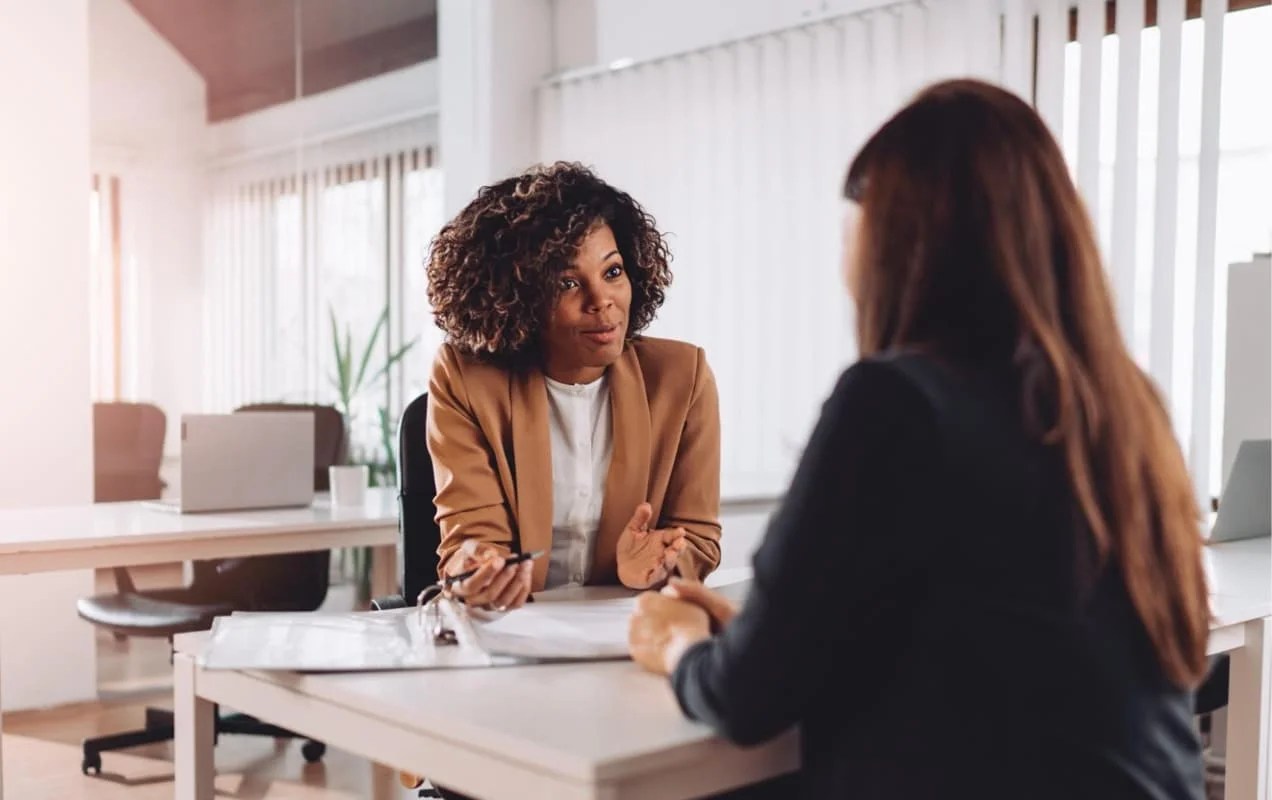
[[127, 451], [287, 582], [418, 532], [419, 535]]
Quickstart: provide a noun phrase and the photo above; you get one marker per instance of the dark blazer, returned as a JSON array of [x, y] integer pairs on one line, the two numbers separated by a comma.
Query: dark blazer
[[926, 607], [488, 437]]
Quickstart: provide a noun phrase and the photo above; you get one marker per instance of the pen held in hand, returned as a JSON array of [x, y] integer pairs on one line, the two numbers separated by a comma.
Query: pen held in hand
[[509, 561]]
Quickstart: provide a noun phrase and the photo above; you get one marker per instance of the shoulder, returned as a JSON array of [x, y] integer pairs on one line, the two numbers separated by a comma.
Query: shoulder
[[896, 387], [669, 357], [453, 368]]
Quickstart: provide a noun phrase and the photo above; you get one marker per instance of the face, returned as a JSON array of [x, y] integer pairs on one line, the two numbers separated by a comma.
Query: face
[[850, 267], [588, 325]]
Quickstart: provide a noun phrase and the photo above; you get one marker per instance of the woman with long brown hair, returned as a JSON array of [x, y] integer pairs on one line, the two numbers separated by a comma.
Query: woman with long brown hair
[[986, 577]]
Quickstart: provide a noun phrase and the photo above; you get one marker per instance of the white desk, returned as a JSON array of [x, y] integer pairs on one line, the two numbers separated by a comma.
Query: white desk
[[599, 730], [126, 534], [610, 730], [1240, 575]]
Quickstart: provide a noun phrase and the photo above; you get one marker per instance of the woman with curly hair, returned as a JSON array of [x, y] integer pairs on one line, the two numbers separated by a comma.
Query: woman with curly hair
[[553, 424]]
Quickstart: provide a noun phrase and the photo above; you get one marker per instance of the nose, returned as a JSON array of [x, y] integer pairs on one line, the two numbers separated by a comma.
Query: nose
[[599, 299]]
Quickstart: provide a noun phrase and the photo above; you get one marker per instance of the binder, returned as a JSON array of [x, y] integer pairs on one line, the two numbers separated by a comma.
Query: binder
[[442, 634]]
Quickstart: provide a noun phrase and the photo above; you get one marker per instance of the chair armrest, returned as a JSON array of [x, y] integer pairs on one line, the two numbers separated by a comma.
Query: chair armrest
[[388, 602]]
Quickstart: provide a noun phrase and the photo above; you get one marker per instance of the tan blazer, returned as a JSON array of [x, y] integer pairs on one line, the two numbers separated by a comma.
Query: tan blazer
[[488, 436]]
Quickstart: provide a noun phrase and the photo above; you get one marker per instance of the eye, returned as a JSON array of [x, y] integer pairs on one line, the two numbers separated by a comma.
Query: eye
[[568, 283], [614, 271]]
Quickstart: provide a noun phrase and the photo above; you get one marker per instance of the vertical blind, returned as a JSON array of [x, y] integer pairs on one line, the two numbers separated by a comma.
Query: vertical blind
[[739, 153], [336, 227], [108, 287], [1147, 103], [739, 149]]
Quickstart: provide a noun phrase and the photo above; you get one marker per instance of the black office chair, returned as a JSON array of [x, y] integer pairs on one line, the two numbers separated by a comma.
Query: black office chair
[[419, 535], [287, 582]]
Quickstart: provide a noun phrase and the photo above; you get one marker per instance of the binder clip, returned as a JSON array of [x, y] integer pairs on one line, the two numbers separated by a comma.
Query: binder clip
[[431, 619]]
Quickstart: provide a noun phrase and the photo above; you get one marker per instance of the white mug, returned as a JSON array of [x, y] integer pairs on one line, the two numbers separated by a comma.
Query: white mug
[[349, 484]]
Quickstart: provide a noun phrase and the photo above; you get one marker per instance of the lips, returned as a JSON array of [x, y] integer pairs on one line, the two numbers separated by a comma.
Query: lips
[[603, 335]]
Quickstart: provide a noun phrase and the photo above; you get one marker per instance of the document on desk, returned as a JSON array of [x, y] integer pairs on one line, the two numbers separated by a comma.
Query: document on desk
[[400, 639], [557, 631], [322, 642]]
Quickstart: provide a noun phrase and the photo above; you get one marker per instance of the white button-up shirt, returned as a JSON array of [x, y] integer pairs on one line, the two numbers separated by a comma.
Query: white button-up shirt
[[581, 430]]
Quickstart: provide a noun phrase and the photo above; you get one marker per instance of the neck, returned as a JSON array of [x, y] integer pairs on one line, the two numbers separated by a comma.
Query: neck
[[572, 375]]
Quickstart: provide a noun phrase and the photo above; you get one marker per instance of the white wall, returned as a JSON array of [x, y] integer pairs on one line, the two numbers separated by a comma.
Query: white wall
[[148, 127], [573, 34], [493, 55], [45, 414], [1247, 412], [652, 28], [404, 93], [146, 99]]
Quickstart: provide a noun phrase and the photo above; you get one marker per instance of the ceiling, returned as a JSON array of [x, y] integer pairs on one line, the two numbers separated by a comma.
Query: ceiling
[[246, 50]]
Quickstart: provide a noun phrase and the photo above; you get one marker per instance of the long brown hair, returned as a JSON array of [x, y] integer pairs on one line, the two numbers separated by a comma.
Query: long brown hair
[[975, 244]]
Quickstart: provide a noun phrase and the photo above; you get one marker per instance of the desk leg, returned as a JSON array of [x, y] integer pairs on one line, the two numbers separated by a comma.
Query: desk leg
[[1249, 708], [1, 750], [384, 577], [384, 782], [194, 726]]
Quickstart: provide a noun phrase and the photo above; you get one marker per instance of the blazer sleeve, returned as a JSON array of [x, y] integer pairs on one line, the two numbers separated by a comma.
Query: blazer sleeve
[[693, 489], [470, 501], [838, 562]]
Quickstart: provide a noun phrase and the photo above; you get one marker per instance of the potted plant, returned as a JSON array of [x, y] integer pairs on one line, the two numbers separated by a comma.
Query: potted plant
[[351, 381]]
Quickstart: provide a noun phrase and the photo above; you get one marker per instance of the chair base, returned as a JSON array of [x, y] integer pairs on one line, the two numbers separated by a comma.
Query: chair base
[[159, 728]]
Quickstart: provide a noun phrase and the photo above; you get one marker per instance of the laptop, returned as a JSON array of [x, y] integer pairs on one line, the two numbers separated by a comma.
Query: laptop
[[247, 460], [1245, 510]]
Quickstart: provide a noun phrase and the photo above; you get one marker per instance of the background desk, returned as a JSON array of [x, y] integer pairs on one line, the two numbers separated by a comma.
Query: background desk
[[1240, 575], [127, 534]]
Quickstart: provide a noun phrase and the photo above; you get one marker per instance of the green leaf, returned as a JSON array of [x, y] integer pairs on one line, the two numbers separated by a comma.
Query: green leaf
[[366, 354], [393, 358], [335, 344], [386, 440], [346, 368]]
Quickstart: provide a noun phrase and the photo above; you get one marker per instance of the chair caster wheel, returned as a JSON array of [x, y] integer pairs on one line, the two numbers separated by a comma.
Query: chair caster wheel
[[313, 751], [92, 764]]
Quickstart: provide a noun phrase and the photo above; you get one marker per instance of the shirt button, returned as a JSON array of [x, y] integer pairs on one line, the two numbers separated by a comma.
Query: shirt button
[[582, 493]]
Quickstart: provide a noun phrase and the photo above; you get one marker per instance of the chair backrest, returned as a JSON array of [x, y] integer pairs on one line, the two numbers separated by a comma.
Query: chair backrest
[[127, 451], [419, 535], [290, 581], [331, 446]]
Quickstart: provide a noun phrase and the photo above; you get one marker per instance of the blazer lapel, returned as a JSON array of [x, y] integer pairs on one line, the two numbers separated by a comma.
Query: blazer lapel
[[532, 467], [627, 482]]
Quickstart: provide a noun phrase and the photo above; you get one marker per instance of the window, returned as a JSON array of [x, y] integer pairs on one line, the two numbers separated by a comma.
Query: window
[[1243, 212], [286, 253]]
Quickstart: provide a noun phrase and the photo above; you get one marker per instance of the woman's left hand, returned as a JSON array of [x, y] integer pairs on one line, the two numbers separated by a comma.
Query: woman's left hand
[[646, 558], [662, 629]]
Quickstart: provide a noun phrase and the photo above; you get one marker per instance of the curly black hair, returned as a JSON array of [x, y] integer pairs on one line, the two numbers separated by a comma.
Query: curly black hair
[[492, 270]]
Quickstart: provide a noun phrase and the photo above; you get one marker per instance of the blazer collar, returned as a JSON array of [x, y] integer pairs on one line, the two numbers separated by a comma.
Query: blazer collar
[[532, 466], [627, 482]]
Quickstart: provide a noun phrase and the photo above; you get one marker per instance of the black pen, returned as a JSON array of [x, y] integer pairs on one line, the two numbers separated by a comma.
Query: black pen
[[510, 560]]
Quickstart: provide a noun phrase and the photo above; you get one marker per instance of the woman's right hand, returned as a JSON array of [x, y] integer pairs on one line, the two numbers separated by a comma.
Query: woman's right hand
[[495, 585], [720, 608]]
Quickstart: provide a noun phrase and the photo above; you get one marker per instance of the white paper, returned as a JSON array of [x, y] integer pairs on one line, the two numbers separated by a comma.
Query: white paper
[[320, 642], [552, 631]]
